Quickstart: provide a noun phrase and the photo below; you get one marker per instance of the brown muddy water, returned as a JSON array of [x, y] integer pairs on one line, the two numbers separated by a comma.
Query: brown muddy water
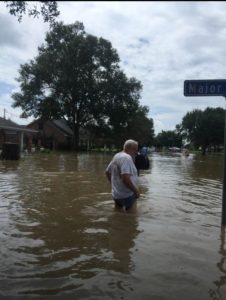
[[61, 238]]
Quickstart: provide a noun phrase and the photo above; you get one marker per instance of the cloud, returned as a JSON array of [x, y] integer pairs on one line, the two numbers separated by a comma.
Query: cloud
[[9, 35], [159, 43]]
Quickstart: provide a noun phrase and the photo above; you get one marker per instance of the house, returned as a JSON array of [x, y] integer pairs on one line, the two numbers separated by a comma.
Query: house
[[52, 134], [56, 134], [12, 138]]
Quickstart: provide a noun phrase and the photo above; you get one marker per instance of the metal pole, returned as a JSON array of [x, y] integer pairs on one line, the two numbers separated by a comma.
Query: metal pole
[[21, 142], [224, 181]]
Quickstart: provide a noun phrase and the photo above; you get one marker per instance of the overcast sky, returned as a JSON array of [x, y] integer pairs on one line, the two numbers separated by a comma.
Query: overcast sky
[[159, 43]]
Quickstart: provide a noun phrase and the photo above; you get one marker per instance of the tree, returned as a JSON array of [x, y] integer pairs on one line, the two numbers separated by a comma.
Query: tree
[[191, 127], [215, 118], [48, 10], [204, 128], [125, 116], [170, 138], [140, 127], [77, 76]]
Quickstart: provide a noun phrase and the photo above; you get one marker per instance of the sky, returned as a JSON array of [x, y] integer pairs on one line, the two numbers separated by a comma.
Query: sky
[[160, 43]]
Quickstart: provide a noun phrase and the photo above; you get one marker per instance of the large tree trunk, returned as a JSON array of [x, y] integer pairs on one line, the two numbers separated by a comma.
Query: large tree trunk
[[75, 144], [203, 150]]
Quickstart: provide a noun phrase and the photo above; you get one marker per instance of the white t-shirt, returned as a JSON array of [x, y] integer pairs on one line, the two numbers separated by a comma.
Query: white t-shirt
[[122, 163]]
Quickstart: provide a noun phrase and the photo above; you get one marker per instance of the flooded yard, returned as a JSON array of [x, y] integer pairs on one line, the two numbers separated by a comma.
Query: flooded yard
[[62, 238]]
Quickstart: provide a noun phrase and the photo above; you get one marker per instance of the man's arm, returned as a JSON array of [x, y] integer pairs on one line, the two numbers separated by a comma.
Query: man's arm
[[127, 181]]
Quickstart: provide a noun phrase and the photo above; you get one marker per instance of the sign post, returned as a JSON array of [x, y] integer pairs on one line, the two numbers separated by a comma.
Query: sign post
[[210, 87], [223, 218]]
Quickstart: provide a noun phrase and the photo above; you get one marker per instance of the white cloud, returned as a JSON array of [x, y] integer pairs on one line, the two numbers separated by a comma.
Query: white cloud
[[159, 43]]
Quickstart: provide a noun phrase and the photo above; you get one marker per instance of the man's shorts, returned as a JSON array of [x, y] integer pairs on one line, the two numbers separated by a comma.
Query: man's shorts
[[127, 202]]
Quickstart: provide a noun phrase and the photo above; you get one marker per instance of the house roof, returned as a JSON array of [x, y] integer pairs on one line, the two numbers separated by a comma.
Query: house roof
[[4, 122], [62, 124], [59, 124], [10, 125]]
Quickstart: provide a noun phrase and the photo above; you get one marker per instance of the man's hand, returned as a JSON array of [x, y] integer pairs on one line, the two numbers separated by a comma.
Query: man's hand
[[127, 181], [137, 194]]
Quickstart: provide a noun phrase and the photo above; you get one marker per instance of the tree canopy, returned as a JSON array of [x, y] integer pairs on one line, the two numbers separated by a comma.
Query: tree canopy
[[76, 76], [204, 128], [170, 138], [48, 9], [140, 127]]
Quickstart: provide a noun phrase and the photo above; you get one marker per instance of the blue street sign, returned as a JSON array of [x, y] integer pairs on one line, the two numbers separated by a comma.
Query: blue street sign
[[208, 87], [211, 87]]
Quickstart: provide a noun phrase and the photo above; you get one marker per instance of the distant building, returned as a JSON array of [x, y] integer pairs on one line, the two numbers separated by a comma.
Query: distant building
[[55, 134], [52, 134], [13, 134], [9, 132]]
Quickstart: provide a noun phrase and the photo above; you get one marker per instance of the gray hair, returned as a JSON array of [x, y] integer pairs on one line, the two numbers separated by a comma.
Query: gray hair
[[129, 144]]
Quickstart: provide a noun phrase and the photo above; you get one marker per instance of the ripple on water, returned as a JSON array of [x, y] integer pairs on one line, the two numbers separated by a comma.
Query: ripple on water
[[60, 234]]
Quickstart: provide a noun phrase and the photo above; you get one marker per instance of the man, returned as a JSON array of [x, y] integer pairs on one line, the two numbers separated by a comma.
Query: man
[[144, 151], [142, 160], [122, 174]]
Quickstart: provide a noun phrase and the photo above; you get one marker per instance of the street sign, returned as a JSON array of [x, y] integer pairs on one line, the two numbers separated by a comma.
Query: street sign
[[211, 87], [208, 87]]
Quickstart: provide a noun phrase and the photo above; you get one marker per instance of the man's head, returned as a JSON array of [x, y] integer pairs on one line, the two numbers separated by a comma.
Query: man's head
[[130, 147]]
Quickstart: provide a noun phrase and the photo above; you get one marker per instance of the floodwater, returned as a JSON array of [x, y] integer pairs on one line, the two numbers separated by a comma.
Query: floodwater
[[61, 238]]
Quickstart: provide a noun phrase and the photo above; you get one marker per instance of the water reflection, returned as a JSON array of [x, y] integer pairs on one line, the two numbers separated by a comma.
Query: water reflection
[[216, 294], [63, 232], [8, 165], [61, 236], [207, 167], [122, 234]]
